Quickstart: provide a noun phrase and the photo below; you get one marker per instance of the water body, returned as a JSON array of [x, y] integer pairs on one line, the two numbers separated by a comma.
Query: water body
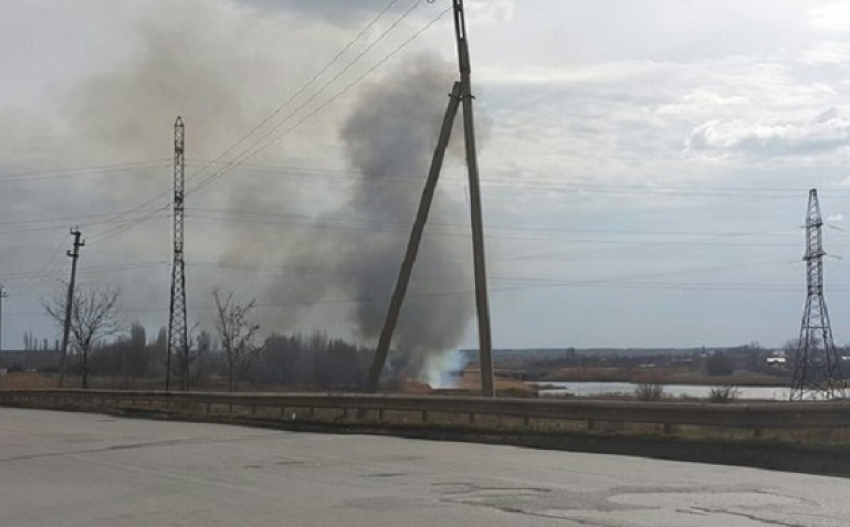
[[587, 389]]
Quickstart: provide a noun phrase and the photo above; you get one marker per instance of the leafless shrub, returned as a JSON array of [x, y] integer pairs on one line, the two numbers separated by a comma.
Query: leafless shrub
[[649, 391], [723, 394]]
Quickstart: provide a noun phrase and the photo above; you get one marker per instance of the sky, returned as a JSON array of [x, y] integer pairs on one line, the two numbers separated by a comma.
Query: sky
[[645, 165]]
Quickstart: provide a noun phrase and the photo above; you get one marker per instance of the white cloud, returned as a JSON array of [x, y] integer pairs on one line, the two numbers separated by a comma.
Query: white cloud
[[489, 11], [835, 217], [828, 131], [833, 17], [701, 100], [547, 75], [828, 53]]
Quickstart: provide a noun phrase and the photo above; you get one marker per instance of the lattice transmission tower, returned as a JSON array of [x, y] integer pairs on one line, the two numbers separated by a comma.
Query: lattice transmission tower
[[817, 370], [178, 339]]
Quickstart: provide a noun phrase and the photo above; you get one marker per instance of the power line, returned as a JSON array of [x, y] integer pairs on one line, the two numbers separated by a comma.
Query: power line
[[52, 260], [539, 184], [52, 224], [247, 154], [301, 89], [746, 287], [444, 224], [132, 223], [302, 270], [39, 175], [378, 228], [90, 269]]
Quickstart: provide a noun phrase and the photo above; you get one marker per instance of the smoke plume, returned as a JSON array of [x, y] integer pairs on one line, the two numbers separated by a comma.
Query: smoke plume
[[389, 139], [317, 252]]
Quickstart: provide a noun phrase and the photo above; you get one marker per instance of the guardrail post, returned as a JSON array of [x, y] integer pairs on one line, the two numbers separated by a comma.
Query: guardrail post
[[526, 420], [345, 414], [424, 416], [591, 424], [381, 415], [282, 411], [472, 419], [253, 409], [208, 409]]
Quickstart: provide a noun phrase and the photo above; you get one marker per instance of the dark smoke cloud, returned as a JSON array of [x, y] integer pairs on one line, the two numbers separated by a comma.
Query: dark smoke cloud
[[389, 138], [222, 70]]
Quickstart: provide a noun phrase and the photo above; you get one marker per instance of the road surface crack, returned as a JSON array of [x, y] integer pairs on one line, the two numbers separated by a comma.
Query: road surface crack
[[128, 446], [749, 516]]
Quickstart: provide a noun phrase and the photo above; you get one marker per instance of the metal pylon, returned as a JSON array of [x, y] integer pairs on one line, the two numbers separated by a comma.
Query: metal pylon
[[178, 340], [817, 368]]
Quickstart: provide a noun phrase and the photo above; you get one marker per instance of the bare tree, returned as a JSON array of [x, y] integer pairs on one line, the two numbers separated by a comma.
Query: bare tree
[[94, 316], [236, 334]]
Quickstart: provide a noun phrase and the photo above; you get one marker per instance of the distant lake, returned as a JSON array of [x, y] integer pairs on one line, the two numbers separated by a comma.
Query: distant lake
[[586, 389]]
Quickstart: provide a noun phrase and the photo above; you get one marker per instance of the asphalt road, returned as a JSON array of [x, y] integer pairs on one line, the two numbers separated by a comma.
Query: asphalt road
[[75, 469]]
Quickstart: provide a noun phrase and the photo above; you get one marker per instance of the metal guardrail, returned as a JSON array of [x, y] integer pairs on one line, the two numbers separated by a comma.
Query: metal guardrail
[[755, 416]]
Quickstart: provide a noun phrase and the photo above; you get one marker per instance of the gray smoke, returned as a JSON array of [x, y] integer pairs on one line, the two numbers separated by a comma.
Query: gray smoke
[[389, 137], [305, 247]]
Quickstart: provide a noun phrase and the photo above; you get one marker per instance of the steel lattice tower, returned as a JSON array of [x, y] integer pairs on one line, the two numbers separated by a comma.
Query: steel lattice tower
[[817, 372], [178, 340]]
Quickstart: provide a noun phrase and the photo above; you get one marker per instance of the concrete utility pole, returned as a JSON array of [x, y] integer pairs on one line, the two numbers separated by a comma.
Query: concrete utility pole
[[482, 302], [3, 294], [74, 255], [413, 244], [461, 93]]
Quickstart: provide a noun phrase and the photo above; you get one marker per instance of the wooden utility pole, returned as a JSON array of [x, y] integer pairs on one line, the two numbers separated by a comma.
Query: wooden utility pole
[[413, 244], [482, 301], [74, 255]]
